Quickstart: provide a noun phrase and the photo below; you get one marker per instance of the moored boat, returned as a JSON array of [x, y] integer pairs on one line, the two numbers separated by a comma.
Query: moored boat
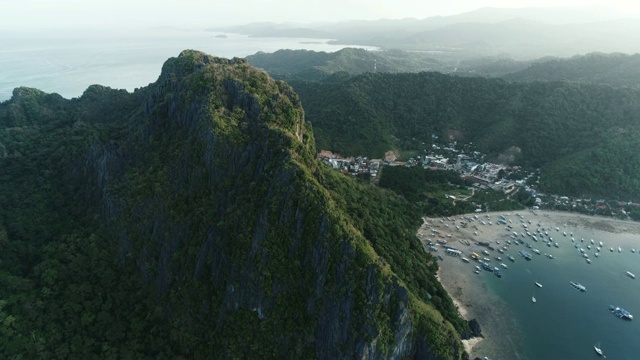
[[629, 274], [620, 312], [596, 347], [578, 286]]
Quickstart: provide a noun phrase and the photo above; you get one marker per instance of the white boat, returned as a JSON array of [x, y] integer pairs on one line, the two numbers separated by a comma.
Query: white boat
[[538, 284], [504, 265], [465, 259], [596, 347], [533, 299], [619, 249], [578, 286], [629, 274], [588, 261]]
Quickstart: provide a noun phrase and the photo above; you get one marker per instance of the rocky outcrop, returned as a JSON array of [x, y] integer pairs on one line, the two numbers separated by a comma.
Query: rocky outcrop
[[207, 192]]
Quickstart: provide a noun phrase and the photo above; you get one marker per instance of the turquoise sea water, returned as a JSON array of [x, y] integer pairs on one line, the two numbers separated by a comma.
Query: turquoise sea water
[[67, 63], [565, 323]]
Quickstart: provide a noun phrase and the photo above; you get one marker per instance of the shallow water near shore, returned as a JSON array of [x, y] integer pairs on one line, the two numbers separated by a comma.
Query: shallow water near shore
[[564, 323]]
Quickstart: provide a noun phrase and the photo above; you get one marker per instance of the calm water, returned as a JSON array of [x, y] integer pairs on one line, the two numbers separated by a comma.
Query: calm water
[[68, 63], [565, 323]]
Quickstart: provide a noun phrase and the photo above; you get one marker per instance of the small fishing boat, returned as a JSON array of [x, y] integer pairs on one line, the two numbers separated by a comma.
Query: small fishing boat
[[596, 347]]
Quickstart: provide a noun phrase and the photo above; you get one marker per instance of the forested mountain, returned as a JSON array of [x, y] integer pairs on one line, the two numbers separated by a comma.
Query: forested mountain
[[312, 65], [190, 219], [317, 65], [582, 136], [595, 68]]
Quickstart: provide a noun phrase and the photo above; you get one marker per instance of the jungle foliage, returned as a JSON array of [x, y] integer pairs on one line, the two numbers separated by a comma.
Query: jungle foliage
[[190, 219]]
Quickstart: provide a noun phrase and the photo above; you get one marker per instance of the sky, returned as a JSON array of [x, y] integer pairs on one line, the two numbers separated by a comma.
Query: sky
[[61, 14]]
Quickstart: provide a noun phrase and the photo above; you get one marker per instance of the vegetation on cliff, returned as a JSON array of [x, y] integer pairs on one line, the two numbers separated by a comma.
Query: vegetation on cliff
[[191, 219]]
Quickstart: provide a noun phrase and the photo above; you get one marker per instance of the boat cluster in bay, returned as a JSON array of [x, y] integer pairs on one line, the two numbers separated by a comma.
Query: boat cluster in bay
[[519, 235]]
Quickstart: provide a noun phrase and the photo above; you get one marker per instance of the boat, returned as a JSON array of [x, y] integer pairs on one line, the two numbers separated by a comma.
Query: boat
[[629, 274], [578, 286], [619, 249], [533, 299], [476, 271], [498, 273], [511, 258], [588, 261], [465, 259], [620, 312], [611, 249], [550, 256], [596, 347], [525, 254], [504, 265], [538, 284]]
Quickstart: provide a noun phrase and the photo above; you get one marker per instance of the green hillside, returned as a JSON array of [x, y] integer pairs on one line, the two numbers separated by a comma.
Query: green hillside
[[559, 127], [619, 70], [190, 219], [315, 66]]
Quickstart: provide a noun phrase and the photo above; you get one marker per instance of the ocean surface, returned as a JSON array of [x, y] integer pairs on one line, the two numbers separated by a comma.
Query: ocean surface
[[67, 63], [566, 323]]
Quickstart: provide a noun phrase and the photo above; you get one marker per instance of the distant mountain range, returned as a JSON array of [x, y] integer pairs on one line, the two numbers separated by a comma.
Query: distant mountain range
[[518, 33]]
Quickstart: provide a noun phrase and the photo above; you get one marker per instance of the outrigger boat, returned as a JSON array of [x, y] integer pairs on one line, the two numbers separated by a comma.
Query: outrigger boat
[[596, 347]]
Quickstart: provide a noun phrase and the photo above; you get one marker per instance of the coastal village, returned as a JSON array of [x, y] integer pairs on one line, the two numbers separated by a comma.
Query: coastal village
[[498, 247], [483, 175]]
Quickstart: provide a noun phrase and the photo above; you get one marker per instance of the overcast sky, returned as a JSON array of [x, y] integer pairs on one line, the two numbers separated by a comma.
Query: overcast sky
[[32, 14]]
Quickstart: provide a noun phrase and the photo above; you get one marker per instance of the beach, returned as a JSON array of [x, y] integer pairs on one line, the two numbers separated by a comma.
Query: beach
[[502, 338]]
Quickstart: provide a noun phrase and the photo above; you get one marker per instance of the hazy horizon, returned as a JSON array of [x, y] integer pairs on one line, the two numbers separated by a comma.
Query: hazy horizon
[[34, 15]]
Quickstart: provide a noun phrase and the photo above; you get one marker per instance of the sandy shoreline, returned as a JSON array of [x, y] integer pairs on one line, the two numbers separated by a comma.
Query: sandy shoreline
[[500, 333]]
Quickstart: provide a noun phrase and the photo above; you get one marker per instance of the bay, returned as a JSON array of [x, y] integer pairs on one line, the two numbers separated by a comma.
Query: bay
[[68, 62], [563, 323]]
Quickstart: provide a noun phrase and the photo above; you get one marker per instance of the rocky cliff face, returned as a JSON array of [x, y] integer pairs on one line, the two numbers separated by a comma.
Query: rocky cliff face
[[205, 195]]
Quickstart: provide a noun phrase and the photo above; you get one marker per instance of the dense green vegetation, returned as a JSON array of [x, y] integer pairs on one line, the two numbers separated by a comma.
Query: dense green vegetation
[[312, 65], [619, 70], [555, 125], [431, 190], [190, 220]]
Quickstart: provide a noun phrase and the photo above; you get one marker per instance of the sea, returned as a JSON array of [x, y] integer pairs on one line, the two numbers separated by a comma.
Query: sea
[[566, 323], [67, 62]]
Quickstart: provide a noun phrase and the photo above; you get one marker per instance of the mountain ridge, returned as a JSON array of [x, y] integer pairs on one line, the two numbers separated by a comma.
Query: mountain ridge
[[197, 223]]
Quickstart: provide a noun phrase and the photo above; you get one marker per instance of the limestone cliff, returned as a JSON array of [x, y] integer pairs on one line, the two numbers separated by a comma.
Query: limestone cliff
[[194, 222]]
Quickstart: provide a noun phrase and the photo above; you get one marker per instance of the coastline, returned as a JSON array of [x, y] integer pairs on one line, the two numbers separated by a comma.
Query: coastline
[[470, 293]]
